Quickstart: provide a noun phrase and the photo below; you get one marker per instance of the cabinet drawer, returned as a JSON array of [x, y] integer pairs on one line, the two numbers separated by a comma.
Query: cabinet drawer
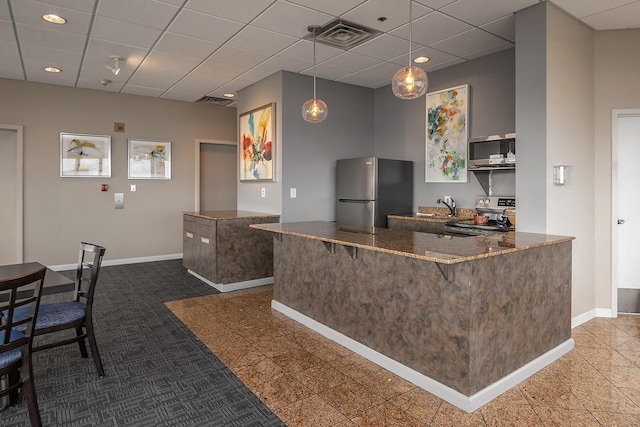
[[188, 224], [206, 229]]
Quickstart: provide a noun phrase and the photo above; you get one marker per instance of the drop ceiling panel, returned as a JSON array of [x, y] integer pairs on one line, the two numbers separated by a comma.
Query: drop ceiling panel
[[351, 62], [384, 47], [240, 57], [81, 5], [205, 82], [469, 42], [95, 68], [96, 85], [6, 31], [435, 4], [620, 18], [36, 73], [30, 12], [503, 27], [124, 32], [160, 70], [480, 12], [276, 64], [142, 91], [435, 57], [396, 12], [52, 39], [174, 2], [236, 10], [303, 51], [259, 40], [489, 51], [432, 28], [10, 66], [4, 10], [188, 91], [232, 87], [382, 71], [584, 8], [202, 26], [55, 57], [332, 7], [102, 50], [220, 70], [290, 19], [326, 73], [361, 81], [149, 13], [186, 46]]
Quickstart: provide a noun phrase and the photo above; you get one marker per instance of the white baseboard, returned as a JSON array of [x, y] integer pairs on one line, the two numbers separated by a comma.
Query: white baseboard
[[236, 286], [591, 314], [121, 261], [466, 403]]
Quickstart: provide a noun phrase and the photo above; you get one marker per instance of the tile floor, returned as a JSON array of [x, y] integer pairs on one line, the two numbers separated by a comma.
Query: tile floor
[[308, 380]]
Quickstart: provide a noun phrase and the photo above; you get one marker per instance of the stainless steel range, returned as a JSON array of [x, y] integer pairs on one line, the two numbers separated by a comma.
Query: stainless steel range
[[490, 206]]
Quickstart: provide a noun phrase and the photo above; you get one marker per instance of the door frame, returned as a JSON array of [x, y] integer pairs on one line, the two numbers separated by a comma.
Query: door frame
[[199, 142], [616, 114], [19, 129]]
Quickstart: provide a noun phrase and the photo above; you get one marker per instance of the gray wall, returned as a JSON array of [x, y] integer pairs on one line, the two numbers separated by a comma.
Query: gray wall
[[306, 153], [261, 93], [311, 149], [400, 126], [531, 118], [59, 213]]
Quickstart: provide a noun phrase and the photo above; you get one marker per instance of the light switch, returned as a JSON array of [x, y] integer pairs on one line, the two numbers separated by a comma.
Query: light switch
[[118, 200], [133, 187], [292, 193]]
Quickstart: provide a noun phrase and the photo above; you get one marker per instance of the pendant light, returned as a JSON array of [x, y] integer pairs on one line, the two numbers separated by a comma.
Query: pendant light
[[410, 82], [314, 110]]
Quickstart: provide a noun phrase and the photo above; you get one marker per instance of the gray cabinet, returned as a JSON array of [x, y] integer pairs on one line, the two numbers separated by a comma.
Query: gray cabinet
[[224, 249]]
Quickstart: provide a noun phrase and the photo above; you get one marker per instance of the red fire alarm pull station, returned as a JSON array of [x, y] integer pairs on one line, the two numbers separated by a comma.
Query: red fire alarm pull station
[[105, 187]]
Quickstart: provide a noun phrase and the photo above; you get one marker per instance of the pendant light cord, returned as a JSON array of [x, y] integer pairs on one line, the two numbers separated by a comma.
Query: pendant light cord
[[314, 63], [410, 31]]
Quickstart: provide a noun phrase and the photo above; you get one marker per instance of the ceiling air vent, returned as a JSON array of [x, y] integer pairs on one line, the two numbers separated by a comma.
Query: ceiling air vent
[[217, 101], [343, 34]]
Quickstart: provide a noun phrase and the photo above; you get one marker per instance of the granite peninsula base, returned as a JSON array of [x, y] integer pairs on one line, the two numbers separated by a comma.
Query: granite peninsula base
[[466, 331]]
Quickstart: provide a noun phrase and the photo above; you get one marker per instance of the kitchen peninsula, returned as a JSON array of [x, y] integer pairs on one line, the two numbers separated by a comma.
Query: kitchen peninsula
[[220, 249], [465, 318]]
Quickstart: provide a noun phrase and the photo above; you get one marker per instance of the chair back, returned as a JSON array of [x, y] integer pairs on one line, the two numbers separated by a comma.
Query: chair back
[[18, 292], [89, 262]]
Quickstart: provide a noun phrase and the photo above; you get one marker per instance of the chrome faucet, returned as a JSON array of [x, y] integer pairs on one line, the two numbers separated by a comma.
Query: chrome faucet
[[452, 206]]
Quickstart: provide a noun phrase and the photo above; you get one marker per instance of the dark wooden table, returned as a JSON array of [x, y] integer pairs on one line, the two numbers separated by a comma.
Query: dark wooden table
[[54, 282]]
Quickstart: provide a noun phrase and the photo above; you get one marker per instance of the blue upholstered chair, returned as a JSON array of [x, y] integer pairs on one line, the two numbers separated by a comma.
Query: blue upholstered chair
[[77, 313], [16, 337]]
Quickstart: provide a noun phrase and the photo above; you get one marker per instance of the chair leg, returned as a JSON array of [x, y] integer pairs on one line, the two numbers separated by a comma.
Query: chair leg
[[30, 392], [81, 344], [14, 378], [94, 349]]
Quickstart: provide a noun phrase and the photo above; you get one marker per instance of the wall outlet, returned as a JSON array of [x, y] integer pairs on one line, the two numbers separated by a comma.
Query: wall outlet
[[292, 193], [447, 200], [263, 192], [133, 187]]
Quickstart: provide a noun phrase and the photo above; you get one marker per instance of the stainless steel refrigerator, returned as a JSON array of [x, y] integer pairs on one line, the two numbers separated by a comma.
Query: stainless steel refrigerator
[[369, 188]]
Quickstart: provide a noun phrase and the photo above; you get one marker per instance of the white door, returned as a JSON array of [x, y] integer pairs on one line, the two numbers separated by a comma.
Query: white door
[[10, 194], [627, 129]]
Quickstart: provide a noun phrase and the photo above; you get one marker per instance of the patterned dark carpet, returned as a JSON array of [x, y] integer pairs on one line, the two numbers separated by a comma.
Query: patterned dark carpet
[[157, 372]]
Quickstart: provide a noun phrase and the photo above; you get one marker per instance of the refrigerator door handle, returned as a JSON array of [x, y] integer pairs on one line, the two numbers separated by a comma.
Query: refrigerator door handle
[[355, 200]]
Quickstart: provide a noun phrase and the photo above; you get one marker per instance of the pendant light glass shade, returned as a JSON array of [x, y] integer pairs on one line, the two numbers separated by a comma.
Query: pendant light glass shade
[[314, 110], [410, 82]]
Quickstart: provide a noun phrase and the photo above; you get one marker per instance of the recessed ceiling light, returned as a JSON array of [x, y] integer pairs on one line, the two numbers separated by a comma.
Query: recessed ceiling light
[[421, 59], [229, 95], [54, 19], [52, 69]]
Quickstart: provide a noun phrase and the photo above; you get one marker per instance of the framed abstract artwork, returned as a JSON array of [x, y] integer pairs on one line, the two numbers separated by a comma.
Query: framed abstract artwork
[[257, 144], [86, 156], [149, 159], [447, 135]]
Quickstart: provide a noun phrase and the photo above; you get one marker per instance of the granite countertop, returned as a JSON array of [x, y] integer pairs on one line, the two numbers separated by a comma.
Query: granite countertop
[[230, 214], [441, 248], [435, 214]]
